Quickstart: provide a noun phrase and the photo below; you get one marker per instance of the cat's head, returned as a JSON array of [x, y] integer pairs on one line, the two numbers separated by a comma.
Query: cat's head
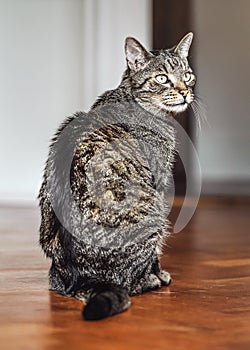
[[161, 80]]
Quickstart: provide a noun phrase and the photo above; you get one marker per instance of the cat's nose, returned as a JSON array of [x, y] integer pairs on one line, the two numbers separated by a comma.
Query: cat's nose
[[184, 93]]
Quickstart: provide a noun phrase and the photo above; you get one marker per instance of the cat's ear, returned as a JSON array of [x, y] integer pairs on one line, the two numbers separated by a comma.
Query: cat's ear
[[137, 56], [184, 45]]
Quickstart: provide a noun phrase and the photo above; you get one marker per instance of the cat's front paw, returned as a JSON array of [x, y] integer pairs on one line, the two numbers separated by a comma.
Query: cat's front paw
[[165, 277]]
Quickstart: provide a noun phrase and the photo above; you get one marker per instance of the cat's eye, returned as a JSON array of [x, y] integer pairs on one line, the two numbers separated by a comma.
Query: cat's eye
[[188, 77], [162, 79]]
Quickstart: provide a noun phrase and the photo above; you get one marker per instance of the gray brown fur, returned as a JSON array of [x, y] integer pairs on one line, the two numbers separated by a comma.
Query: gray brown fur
[[115, 162]]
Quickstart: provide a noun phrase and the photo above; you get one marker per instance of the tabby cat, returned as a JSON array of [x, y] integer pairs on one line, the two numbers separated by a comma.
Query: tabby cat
[[103, 196]]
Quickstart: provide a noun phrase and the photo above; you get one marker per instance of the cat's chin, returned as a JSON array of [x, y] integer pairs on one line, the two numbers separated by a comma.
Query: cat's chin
[[162, 108], [180, 108], [175, 109]]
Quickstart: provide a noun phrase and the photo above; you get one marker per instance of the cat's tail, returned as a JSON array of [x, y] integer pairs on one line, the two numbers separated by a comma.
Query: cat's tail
[[106, 300]]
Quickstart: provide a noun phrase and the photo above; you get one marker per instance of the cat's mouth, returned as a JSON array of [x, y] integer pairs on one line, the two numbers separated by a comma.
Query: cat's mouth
[[181, 106], [178, 104]]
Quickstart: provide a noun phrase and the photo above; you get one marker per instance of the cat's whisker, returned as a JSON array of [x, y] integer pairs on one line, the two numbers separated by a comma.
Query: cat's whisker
[[195, 113], [199, 111]]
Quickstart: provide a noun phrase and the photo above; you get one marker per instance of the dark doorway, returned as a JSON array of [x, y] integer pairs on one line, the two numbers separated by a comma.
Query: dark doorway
[[171, 21]]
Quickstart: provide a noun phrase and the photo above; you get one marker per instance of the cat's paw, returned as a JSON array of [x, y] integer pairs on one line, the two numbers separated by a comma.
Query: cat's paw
[[146, 284], [153, 282], [165, 277]]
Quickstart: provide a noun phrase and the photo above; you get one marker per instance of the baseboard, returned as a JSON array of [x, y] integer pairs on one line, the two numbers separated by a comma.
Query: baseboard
[[239, 188]]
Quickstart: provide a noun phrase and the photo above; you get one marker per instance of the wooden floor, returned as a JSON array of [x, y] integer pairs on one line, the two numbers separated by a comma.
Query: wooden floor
[[206, 307]]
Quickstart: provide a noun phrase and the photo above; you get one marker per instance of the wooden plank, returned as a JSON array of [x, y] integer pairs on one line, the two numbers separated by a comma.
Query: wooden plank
[[206, 307]]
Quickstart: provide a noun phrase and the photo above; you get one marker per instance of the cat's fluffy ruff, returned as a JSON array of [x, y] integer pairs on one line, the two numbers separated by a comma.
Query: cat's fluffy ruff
[[104, 216]]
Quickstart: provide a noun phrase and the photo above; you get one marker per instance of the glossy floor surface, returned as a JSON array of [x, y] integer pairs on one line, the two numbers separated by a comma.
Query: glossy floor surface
[[207, 305]]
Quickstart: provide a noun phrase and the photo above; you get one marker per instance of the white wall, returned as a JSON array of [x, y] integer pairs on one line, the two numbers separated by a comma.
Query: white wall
[[39, 85], [106, 25], [56, 56], [222, 37]]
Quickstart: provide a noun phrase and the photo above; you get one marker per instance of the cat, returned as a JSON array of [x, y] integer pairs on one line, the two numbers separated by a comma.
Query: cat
[[103, 196]]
